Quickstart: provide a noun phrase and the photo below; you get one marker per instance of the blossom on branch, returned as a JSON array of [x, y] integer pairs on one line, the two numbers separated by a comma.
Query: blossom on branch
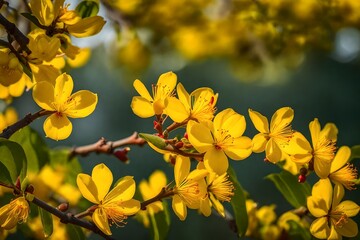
[[112, 206]]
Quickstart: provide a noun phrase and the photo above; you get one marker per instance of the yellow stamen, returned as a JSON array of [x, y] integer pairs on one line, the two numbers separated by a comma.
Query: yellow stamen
[[222, 188], [346, 176], [189, 191]]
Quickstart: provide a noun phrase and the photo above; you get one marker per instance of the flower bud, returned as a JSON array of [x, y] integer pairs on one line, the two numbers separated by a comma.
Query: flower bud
[[301, 178], [121, 154], [63, 207]]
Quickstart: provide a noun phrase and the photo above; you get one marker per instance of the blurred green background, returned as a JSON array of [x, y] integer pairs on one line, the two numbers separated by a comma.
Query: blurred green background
[[321, 88]]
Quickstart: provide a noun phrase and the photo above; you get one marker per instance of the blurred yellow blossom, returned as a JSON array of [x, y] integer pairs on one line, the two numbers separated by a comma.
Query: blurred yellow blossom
[[8, 118], [150, 189], [11, 70]]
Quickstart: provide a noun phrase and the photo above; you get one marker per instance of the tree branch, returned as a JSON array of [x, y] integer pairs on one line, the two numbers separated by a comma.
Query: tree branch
[[107, 147], [29, 118], [69, 218]]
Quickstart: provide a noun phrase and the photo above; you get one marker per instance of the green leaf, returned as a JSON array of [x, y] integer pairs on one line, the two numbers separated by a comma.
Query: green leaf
[[87, 9], [5, 175], [160, 223], [13, 157], [155, 140], [74, 232], [297, 232], [34, 146], [293, 191], [238, 203], [355, 152], [47, 222]]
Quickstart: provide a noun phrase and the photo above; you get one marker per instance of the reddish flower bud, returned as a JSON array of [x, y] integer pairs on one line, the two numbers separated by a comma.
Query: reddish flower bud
[[186, 135], [63, 207], [121, 154], [179, 144], [301, 178]]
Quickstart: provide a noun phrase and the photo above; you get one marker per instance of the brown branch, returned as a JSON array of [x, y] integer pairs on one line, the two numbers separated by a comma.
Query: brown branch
[[165, 192], [13, 31], [69, 218], [107, 147], [29, 118]]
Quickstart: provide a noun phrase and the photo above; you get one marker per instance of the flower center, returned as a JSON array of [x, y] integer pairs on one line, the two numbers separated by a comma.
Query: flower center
[[339, 219], [222, 188], [346, 176], [189, 191], [223, 139], [325, 149], [114, 214]]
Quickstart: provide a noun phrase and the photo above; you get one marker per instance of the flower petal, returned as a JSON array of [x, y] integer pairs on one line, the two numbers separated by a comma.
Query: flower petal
[[281, 118], [179, 207], [240, 150], [103, 178], [350, 208], [181, 169], [43, 95], [176, 110], [330, 131], [259, 143], [183, 96], [82, 104], [130, 207], [341, 158], [322, 167], [323, 190], [216, 161], [200, 136], [100, 219], [57, 127], [338, 195], [63, 88], [142, 107], [123, 191], [319, 228], [273, 151], [260, 122], [141, 89], [165, 84], [87, 187], [205, 206], [349, 229], [314, 127]]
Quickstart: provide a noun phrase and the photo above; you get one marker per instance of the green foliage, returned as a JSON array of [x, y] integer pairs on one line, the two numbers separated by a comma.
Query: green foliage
[[355, 152], [153, 139], [293, 191], [74, 232], [5, 174], [238, 203], [34, 146], [47, 222], [13, 158], [87, 9], [160, 223], [297, 232]]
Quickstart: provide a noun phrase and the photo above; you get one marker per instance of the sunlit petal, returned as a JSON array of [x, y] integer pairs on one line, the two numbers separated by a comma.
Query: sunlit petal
[[341, 158], [216, 161], [200, 137], [87, 187], [130, 207], [259, 143], [142, 107], [103, 179], [141, 89], [314, 127], [348, 207], [123, 191], [81, 104], [100, 219], [260, 122], [320, 228], [181, 169], [281, 118], [176, 109], [179, 207], [349, 229], [240, 150], [57, 126], [63, 88], [43, 95]]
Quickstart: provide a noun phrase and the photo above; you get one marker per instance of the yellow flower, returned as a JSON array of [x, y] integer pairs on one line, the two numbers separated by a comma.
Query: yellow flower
[[112, 206], [220, 139], [198, 106], [219, 189], [43, 48], [10, 68], [187, 192], [322, 151], [148, 190], [7, 118], [273, 138], [58, 99], [55, 14], [332, 216], [146, 105], [266, 214], [16, 211], [341, 172]]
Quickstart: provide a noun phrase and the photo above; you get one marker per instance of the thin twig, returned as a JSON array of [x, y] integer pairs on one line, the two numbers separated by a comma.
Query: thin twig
[[107, 147], [29, 118], [69, 218]]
